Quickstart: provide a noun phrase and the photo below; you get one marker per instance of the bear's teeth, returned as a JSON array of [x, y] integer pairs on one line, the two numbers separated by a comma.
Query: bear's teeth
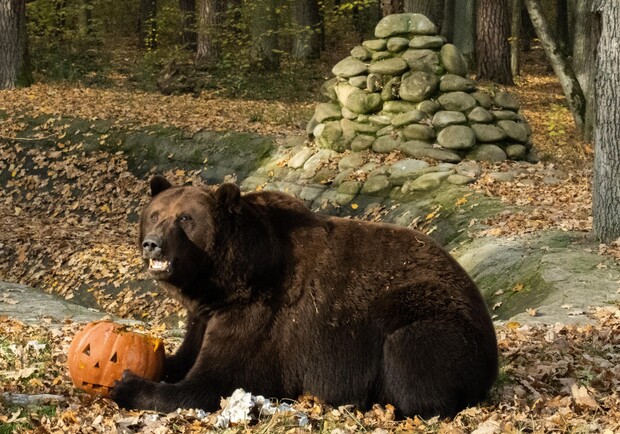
[[156, 264]]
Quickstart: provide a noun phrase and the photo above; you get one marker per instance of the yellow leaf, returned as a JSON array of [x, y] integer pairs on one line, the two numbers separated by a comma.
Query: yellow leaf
[[69, 417], [179, 173], [105, 208], [35, 382], [354, 206], [461, 201], [513, 325], [518, 287]]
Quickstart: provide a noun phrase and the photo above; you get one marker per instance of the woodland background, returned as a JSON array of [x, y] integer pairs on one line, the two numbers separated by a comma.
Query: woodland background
[[257, 66]]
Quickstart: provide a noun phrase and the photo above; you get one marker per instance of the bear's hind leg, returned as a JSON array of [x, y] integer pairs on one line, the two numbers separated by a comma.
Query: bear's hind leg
[[430, 370]]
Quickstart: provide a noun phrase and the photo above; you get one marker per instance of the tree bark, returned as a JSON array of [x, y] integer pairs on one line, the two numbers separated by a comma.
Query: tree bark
[[464, 33], [208, 50], [307, 40], [560, 64], [492, 47], [586, 34], [606, 191], [389, 7], [515, 37], [561, 26], [432, 9], [449, 20], [188, 35], [527, 30], [14, 59]]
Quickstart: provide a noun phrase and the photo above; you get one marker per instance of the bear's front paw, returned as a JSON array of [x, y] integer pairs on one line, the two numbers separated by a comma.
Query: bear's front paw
[[131, 390]]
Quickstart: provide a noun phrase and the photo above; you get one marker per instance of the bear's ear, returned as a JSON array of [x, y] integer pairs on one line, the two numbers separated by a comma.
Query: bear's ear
[[229, 197], [159, 184]]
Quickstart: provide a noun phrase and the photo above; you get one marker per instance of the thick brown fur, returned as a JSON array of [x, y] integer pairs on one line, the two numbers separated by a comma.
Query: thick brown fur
[[282, 301]]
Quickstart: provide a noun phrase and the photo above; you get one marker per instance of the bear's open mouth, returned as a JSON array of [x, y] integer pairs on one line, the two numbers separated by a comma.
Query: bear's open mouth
[[159, 265]]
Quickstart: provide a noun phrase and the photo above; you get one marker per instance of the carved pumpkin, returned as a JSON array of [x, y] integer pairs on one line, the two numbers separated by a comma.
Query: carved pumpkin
[[101, 351]]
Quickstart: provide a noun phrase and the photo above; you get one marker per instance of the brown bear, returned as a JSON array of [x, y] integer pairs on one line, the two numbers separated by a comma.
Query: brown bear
[[282, 301]]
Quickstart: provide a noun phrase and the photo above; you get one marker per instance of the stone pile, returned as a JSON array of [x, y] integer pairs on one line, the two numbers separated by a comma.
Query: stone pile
[[407, 90]]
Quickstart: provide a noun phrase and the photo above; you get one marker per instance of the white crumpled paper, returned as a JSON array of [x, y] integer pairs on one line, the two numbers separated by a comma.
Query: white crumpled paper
[[242, 406]]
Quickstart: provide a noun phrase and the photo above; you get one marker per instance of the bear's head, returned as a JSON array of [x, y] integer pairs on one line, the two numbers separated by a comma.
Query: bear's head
[[180, 227]]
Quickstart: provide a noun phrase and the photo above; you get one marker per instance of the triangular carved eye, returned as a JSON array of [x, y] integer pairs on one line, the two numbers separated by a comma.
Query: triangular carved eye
[[114, 358], [97, 365], [87, 350]]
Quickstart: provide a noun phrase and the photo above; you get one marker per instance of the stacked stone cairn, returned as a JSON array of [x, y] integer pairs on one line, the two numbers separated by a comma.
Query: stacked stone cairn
[[407, 90]]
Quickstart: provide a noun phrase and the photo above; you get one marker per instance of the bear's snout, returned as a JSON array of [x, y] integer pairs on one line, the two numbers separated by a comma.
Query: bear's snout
[[151, 246]]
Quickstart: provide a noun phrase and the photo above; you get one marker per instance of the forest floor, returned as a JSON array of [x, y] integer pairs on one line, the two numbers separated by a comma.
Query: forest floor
[[562, 378]]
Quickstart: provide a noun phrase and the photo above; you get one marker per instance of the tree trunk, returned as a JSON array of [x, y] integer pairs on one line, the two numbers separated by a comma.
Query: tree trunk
[[389, 7], [208, 50], [307, 40], [606, 191], [432, 9], [586, 34], [188, 35], [561, 26], [14, 59], [560, 64], [527, 30], [367, 18], [492, 47], [148, 24], [448, 21], [265, 33], [515, 37], [464, 33]]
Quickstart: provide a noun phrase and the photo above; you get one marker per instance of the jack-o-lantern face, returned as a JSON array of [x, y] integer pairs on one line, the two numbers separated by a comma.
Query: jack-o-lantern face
[[101, 351]]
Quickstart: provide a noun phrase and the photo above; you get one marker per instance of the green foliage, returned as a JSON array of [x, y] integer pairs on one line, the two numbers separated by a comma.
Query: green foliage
[[95, 42], [556, 124]]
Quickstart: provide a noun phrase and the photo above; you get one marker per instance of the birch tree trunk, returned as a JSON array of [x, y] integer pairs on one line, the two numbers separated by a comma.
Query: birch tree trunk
[[559, 62], [606, 191], [14, 61]]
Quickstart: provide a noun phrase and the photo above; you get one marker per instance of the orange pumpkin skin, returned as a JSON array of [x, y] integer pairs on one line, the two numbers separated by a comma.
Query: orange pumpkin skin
[[101, 351]]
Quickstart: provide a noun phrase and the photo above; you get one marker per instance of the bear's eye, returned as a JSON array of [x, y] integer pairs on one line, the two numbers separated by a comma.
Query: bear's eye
[[184, 218], [154, 217]]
